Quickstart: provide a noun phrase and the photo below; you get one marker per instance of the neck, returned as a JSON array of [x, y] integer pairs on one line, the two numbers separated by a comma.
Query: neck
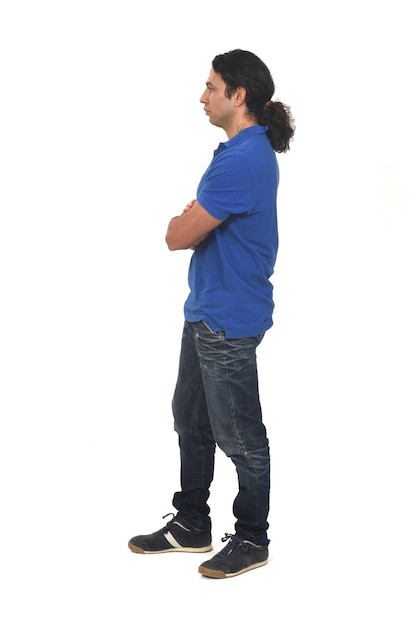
[[238, 128]]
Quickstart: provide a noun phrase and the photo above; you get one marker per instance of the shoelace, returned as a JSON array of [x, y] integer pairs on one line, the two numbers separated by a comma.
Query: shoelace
[[234, 543], [168, 525], [173, 521]]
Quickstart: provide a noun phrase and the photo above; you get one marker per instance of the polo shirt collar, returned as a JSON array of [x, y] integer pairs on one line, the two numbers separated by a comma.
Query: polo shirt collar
[[241, 136]]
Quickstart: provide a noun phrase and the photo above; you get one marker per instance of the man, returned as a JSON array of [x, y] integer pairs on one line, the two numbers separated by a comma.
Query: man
[[232, 228]]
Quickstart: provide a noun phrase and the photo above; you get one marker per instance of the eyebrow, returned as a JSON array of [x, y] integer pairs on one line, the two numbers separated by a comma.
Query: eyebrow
[[209, 84]]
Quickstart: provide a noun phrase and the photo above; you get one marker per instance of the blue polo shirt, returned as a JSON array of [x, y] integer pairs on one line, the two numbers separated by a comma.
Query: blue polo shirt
[[230, 270]]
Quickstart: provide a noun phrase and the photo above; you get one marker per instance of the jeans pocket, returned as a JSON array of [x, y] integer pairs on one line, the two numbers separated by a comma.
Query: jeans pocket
[[212, 332]]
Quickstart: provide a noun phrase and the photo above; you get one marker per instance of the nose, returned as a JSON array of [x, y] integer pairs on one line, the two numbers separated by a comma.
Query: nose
[[203, 98]]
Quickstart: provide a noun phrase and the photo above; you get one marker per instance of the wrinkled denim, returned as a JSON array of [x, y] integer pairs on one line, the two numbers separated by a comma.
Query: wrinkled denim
[[216, 401]]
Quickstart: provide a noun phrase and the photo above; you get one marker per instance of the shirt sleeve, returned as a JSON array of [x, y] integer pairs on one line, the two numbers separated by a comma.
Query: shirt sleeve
[[227, 187]]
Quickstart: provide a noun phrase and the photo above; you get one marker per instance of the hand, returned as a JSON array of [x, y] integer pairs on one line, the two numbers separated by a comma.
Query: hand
[[188, 207]]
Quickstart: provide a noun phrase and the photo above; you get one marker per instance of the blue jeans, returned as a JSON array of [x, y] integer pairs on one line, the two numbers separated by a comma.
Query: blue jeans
[[216, 401]]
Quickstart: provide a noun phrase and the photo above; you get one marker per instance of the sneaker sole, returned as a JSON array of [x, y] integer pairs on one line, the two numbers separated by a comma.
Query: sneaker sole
[[216, 573], [142, 551]]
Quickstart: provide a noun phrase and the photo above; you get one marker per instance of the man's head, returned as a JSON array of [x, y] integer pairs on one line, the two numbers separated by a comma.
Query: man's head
[[239, 68], [238, 94], [228, 111]]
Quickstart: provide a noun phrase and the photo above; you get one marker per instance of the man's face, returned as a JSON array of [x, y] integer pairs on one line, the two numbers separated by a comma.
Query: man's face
[[217, 106]]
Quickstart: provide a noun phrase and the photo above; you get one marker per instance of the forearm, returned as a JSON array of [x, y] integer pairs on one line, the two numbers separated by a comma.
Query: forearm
[[190, 228], [178, 238], [174, 237]]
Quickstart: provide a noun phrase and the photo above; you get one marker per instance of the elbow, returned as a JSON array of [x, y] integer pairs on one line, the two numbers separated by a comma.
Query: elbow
[[171, 243]]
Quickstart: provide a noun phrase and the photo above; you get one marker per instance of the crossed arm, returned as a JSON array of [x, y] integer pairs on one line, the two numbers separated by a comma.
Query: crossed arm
[[190, 228]]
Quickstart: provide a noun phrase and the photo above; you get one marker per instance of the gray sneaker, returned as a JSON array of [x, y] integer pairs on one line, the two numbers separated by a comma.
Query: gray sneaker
[[176, 536], [237, 557]]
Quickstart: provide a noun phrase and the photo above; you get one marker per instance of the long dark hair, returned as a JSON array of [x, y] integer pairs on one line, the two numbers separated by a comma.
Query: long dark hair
[[240, 68]]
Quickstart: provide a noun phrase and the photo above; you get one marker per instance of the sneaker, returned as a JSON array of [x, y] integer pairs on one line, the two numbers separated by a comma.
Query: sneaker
[[237, 557], [176, 536]]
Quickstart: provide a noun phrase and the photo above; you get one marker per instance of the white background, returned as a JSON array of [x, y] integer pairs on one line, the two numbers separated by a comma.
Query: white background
[[103, 139]]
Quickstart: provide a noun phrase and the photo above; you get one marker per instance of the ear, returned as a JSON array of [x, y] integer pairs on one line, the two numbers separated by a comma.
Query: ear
[[240, 96]]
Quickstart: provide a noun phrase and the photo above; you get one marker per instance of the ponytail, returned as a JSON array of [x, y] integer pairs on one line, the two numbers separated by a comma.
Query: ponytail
[[278, 117]]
